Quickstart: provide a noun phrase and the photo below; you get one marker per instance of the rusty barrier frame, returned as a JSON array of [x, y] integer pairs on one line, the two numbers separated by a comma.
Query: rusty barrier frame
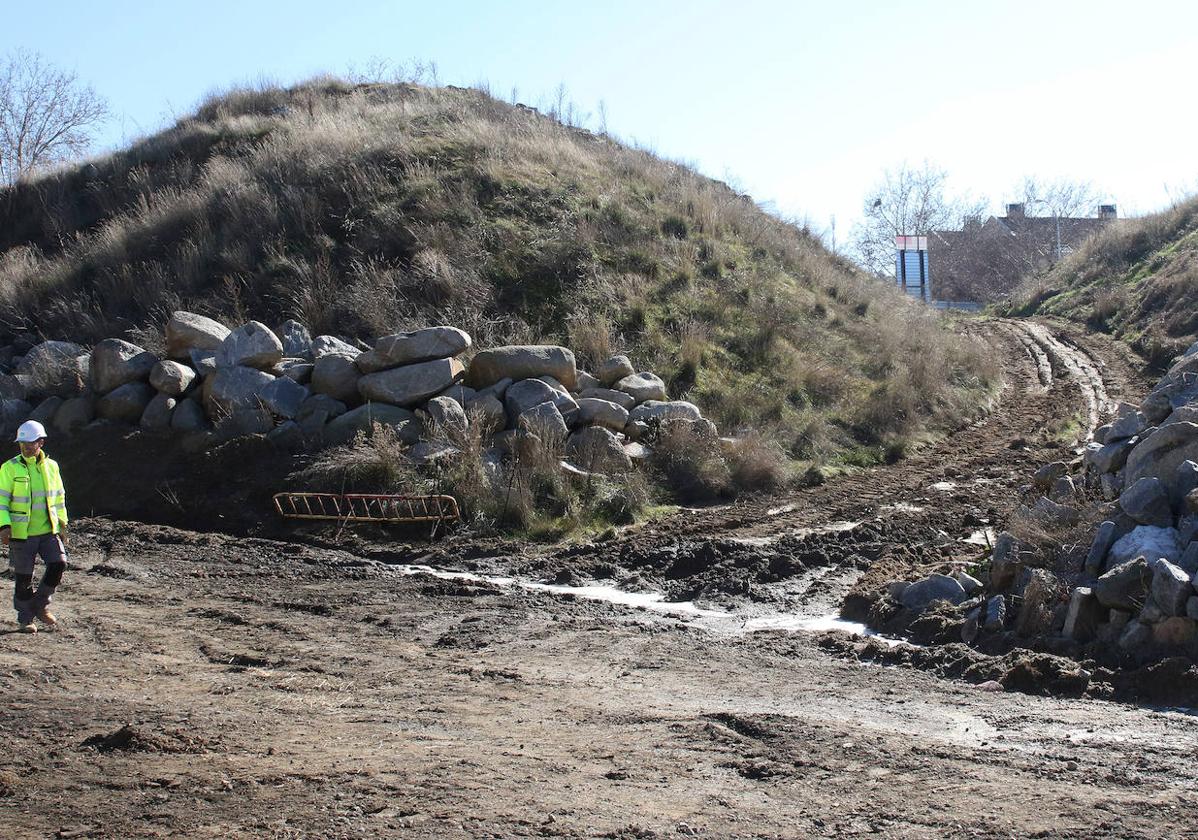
[[367, 507]]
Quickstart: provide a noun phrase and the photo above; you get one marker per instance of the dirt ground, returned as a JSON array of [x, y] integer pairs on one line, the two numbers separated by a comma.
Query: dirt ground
[[204, 685]]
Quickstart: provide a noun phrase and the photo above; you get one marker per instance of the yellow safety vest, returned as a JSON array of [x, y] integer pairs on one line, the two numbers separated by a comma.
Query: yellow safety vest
[[32, 496]]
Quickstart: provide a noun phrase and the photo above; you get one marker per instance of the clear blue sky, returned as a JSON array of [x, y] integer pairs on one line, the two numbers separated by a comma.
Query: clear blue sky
[[801, 104]]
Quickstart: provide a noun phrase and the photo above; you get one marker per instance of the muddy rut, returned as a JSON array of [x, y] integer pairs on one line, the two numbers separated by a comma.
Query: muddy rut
[[207, 686]]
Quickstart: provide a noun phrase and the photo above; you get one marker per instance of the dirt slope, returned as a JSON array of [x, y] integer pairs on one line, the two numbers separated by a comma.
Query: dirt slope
[[205, 686]]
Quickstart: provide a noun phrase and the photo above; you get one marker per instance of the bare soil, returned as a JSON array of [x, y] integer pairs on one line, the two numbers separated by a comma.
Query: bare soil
[[207, 685]]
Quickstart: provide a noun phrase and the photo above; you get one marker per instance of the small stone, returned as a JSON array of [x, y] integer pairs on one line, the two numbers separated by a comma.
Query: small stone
[[920, 594], [1103, 540], [643, 387], [614, 369], [172, 378], [1125, 586], [1048, 474], [969, 583], [1084, 615]]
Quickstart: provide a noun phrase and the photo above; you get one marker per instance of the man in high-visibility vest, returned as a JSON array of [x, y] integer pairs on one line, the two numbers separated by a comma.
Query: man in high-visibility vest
[[33, 522]]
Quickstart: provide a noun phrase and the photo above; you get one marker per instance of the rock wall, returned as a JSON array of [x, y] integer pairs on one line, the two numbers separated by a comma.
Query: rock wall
[[305, 393]]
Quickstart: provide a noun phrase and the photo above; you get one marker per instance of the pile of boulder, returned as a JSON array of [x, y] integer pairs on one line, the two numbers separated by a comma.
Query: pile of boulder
[[1135, 593], [305, 393]]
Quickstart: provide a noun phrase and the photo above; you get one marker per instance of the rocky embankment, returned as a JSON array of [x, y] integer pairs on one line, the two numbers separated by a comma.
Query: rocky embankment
[[1131, 598], [304, 393]]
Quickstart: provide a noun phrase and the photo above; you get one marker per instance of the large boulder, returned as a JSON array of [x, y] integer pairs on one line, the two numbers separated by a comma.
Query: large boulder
[[203, 362], [1170, 586], [1047, 475], [643, 387], [74, 414], [487, 411], [596, 449], [283, 397], [115, 362], [1111, 457], [344, 428], [447, 418], [1130, 423], [593, 412], [323, 345], [55, 369], [1103, 540], [125, 404], [1185, 482], [157, 415], [544, 421], [1147, 541], [336, 376], [234, 388], [172, 378], [297, 341], [522, 362], [625, 401], [46, 409], [920, 594], [1147, 502], [1084, 615], [411, 347], [411, 384], [251, 345], [654, 411], [1162, 453], [296, 370], [12, 388], [186, 331], [188, 416], [1125, 586], [614, 369]]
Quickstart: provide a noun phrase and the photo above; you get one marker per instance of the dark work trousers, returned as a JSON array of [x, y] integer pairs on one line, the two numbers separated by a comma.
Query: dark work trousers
[[27, 601]]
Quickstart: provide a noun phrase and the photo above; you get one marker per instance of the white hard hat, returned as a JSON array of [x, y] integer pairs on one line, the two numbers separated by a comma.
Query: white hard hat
[[30, 431]]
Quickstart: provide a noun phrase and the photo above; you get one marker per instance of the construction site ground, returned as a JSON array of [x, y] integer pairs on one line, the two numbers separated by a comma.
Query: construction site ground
[[383, 685]]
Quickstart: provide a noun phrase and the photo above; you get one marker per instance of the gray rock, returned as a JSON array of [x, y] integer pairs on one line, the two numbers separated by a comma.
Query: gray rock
[[653, 411], [614, 369], [637, 452], [297, 370], [1156, 407], [172, 378], [1147, 502], [1192, 607], [203, 361], [412, 384], [115, 362], [1187, 529], [1063, 490], [1182, 414], [1130, 423], [637, 431], [643, 387], [1170, 586], [74, 414], [46, 409], [459, 393], [12, 414], [408, 348], [125, 404], [1189, 560], [427, 452], [1047, 475], [336, 376], [995, 614], [321, 404], [518, 362], [1162, 453], [920, 594], [187, 331], [55, 369], [1103, 540], [234, 388], [447, 418], [1004, 561], [593, 412], [544, 421], [323, 345], [1102, 433], [498, 390], [1111, 457], [251, 345], [157, 415], [343, 429], [527, 393], [1084, 615], [896, 588], [297, 341], [246, 421], [625, 401], [1185, 481], [12, 388], [283, 397], [1148, 541], [969, 583], [188, 416], [1191, 505], [596, 449], [1135, 636], [487, 411], [1175, 632], [1052, 515], [1124, 587], [585, 381], [288, 436], [1111, 485]]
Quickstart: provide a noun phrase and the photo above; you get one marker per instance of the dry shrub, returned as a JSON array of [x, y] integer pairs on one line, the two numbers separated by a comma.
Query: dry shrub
[[591, 336], [757, 463], [374, 462], [687, 453]]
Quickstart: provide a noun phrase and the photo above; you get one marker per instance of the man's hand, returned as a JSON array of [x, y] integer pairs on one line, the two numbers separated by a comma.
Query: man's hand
[[62, 536], [5, 534]]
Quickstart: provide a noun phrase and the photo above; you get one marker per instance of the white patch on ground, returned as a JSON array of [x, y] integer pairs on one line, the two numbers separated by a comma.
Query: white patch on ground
[[944, 486], [985, 538]]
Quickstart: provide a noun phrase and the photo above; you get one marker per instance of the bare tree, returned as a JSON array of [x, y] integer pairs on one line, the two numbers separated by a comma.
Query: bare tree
[[46, 115], [907, 201], [1062, 198]]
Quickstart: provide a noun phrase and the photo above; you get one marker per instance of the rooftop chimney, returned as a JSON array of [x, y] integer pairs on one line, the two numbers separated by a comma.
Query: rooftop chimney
[[1015, 211], [1107, 212]]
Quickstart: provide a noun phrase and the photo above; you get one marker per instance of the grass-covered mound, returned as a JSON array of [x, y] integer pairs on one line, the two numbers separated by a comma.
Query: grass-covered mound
[[362, 210], [1137, 279]]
